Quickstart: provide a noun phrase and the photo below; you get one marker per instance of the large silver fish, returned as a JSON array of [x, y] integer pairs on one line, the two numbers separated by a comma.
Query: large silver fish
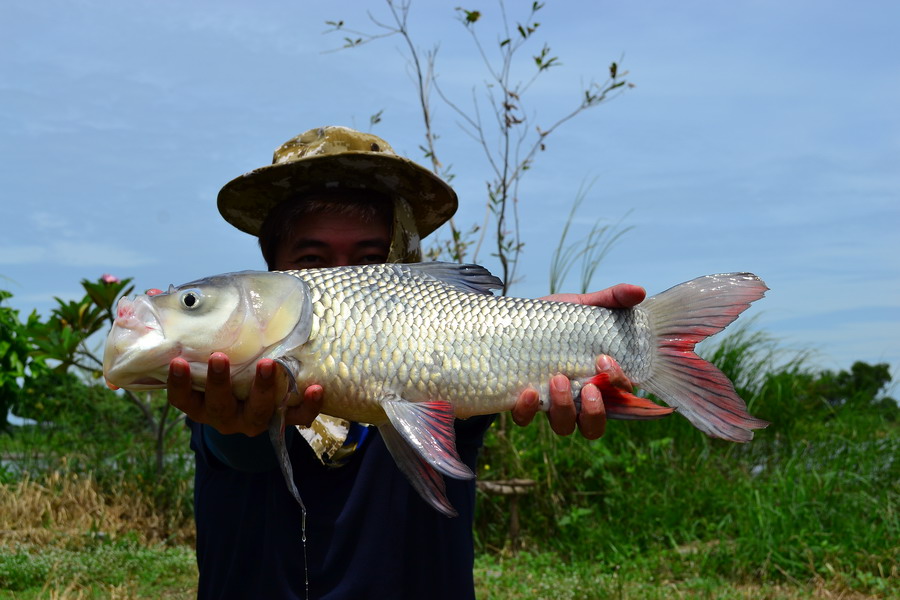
[[408, 347]]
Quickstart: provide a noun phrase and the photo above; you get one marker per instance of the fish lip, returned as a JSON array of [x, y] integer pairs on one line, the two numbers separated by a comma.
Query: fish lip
[[136, 321], [138, 314], [143, 383]]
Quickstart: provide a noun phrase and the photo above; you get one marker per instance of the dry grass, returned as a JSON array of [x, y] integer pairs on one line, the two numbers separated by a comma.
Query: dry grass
[[65, 538], [64, 506]]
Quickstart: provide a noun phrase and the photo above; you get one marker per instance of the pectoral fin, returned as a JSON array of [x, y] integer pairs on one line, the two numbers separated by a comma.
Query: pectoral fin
[[276, 434]]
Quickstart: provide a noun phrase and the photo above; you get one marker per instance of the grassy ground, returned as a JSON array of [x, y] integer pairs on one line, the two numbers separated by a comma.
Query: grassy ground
[[60, 538], [818, 521], [92, 567], [127, 569], [541, 576]]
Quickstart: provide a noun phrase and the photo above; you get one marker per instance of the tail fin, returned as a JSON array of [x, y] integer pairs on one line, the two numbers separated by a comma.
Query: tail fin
[[680, 318]]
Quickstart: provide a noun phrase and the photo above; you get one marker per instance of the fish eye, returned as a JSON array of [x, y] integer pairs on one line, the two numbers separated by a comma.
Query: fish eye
[[190, 299]]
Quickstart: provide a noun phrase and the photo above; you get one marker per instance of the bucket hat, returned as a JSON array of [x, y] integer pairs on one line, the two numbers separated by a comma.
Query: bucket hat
[[336, 157]]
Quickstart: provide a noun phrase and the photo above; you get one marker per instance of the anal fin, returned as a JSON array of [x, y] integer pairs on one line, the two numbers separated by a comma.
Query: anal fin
[[625, 406]]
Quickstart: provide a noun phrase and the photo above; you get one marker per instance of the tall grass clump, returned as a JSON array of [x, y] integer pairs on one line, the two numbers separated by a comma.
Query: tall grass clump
[[63, 535], [84, 510], [814, 496], [83, 434]]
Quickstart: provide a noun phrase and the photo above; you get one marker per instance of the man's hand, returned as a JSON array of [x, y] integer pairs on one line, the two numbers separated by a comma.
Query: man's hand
[[591, 422], [218, 406]]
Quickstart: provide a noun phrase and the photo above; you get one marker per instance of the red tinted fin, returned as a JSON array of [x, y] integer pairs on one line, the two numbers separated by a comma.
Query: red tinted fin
[[422, 476], [625, 406], [680, 318], [428, 428]]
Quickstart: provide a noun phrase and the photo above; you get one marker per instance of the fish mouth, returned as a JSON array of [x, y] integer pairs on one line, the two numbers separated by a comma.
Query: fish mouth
[[144, 383], [137, 353]]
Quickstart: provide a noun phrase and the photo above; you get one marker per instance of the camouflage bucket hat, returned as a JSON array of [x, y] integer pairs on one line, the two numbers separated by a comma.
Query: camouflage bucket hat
[[334, 158]]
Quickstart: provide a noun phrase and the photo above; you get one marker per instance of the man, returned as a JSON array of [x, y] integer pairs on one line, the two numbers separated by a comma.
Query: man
[[334, 197]]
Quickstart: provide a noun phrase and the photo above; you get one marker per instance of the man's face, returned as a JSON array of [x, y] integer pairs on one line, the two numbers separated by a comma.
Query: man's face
[[328, 240]]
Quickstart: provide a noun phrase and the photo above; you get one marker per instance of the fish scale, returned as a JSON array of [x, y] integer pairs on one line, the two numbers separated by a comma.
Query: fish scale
[[428, 341]]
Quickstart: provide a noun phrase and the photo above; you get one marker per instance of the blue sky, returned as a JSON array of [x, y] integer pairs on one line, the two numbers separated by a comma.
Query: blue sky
[[761, 136]]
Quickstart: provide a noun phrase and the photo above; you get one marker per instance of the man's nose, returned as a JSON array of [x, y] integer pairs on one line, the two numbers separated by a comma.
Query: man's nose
[[341, 260]]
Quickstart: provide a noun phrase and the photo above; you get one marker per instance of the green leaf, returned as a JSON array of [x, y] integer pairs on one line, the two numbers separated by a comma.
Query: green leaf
[[104, 294], [471, 16]]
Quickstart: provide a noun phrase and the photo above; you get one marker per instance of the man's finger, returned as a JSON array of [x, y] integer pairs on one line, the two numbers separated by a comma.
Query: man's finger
[[180, 393], [308, 409], [265, 393], [526, 407], [562, 407], [623, 295], [626, 295], [221, 405], [607, 364], [592, 418]]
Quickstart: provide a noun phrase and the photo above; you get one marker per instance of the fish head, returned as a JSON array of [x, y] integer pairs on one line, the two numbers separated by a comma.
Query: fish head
[[248, 315]]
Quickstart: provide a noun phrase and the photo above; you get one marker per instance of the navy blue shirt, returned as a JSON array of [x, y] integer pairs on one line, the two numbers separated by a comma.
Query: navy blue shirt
[[369, 534]]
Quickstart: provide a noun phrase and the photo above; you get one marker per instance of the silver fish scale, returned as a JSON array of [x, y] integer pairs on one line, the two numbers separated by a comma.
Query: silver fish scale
[[377, 333]]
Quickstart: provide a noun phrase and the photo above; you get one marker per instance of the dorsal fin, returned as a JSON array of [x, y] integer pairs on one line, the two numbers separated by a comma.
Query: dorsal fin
[[467, 278]]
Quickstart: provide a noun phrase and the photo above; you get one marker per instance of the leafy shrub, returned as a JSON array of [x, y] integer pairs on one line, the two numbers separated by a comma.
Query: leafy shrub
[[127, 442]]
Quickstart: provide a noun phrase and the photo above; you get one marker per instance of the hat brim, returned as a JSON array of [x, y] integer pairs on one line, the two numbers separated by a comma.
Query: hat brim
[[246, 201]]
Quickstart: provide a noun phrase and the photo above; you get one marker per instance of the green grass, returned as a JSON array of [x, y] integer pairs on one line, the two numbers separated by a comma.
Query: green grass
[[667, 575], [94, 567], [127, 569], [822, 510]]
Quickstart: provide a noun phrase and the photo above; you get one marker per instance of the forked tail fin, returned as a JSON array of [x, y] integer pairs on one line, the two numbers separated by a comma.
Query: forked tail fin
[[680, 318]]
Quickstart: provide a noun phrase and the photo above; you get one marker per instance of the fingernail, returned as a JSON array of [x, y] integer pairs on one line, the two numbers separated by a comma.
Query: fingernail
[[217, 364], [561, 384], [179, 369], [265, 369]]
